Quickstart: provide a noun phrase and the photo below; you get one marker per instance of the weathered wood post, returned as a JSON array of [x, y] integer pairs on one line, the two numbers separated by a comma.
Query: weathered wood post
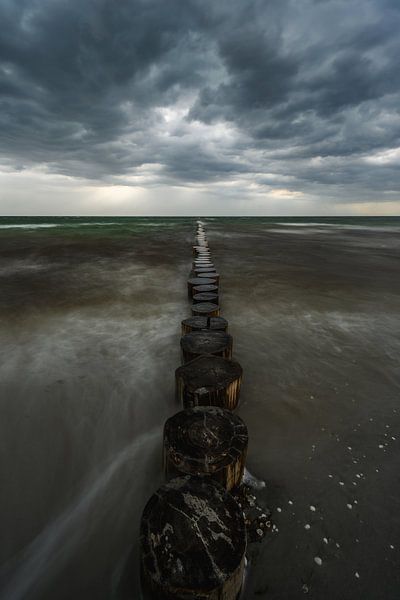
[[204, 323], [199, 289], [202, 263], [205, 297], [207, 269], [196, 343], [206, 440], [201, 250], [212, 275], [205, 309], [209, 381], [203, 256], [193, 281], [192, 542]]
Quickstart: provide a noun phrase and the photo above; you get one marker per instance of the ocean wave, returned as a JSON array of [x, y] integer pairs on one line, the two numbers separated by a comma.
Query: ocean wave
[[152, 224], [95, 223], [30, 226], [349, 226], [51, 225], [311, 224], [292, 231], [21, 267]]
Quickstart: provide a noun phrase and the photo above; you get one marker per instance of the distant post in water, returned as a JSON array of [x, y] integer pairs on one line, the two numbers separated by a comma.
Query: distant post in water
[[205, 309], [205, 297], [204, 323], [194, 281], [196, 343], [213, 275]]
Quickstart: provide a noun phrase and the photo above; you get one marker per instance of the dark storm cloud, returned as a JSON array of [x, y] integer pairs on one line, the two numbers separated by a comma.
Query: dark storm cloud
[[302, 88]]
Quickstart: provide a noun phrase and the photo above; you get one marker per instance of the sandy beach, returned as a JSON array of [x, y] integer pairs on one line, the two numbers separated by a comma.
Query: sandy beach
[[314, 313], [90, 341]]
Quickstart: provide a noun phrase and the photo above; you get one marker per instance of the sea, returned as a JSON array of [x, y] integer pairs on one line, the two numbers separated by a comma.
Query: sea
[[90, 313]]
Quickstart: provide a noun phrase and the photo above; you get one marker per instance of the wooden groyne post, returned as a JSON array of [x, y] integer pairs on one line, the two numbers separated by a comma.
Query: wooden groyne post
[[193, 533], [193, 542], [196, 343], [206, 440]]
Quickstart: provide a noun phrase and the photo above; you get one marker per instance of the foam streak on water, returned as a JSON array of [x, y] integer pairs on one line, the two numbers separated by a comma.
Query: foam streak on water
[[51, 550]]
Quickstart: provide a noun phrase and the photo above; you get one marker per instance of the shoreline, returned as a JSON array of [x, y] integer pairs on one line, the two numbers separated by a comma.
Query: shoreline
[[310, 313]]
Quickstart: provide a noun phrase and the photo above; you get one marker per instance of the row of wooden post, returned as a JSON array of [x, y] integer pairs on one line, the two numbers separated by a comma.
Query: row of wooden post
[[193, 534]]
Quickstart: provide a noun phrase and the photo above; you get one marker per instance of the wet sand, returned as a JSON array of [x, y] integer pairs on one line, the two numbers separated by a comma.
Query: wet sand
[[315, 319], [90, 341]]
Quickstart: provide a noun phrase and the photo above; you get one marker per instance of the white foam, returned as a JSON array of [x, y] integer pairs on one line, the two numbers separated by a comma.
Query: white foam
[[252, 481], [30, 226], [43, 553], [66, 224]]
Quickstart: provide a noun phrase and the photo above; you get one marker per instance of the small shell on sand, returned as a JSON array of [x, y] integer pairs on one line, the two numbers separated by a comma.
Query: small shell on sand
[[307, 526], [318, 560], [312, 508]]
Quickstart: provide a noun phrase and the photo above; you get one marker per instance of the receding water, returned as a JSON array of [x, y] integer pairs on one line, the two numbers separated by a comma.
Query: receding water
[[90, 315]]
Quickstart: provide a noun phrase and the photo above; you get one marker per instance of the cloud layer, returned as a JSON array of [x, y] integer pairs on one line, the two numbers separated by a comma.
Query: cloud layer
[[293, 99]]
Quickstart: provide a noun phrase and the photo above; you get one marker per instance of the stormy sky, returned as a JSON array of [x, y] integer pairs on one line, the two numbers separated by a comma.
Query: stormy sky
[[200, 107]]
